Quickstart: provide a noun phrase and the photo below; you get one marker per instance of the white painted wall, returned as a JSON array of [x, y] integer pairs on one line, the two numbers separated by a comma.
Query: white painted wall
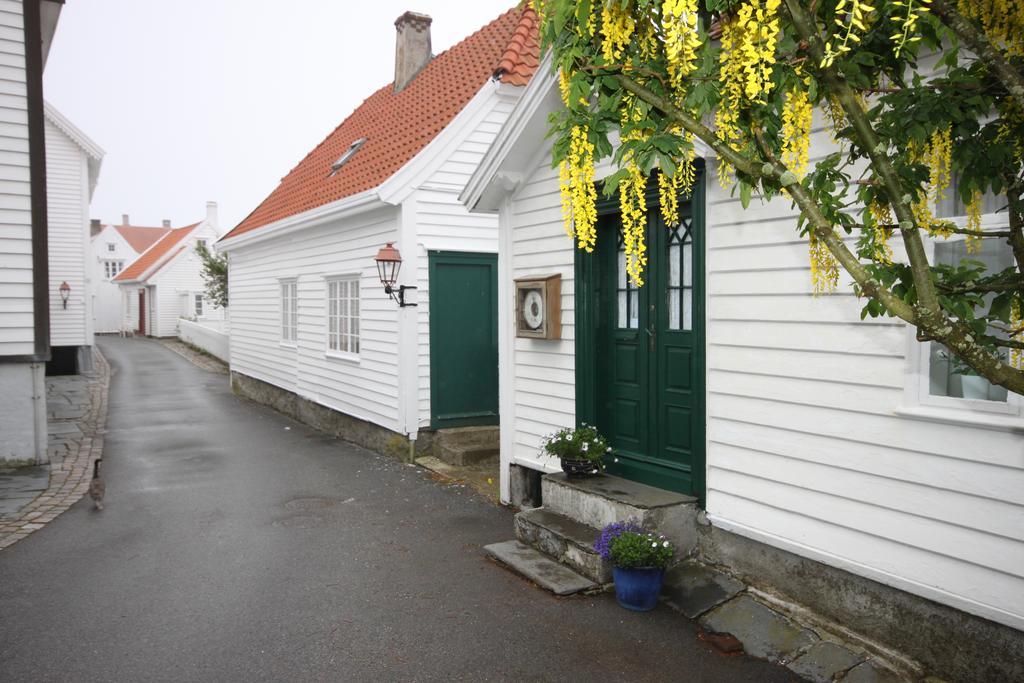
[[365, 387], [106, 295], [208, 338], [16, 303], [67, 197], [806, 449]]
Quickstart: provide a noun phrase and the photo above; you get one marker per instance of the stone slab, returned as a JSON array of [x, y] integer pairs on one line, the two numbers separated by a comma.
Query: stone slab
[[764, 632], [694, 588], [823, 661], [621, 490], [870, 673], [539, 568]]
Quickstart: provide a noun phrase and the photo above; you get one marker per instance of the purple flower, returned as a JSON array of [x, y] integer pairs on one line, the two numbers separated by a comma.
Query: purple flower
[[603, 544]]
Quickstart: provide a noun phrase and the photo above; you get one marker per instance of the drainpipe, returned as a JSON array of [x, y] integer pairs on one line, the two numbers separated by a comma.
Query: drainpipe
[[408, 327], [39, 412]]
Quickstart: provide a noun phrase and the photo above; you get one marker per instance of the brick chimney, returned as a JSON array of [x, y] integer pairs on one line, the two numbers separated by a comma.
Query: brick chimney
[[412, 47], [124, 219], [95, 227], [167, 223]]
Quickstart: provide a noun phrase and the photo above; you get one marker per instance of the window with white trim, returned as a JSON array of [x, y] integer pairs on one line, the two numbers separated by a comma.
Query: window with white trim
[[944, 381], [197, 306], [343, 315], [111, 269], [111, 246], [289, 312]]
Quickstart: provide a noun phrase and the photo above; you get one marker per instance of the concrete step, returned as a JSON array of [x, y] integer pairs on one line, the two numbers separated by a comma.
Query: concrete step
[[462, 455], [538, 568], [601, 500], [564, 540], [469, 436]]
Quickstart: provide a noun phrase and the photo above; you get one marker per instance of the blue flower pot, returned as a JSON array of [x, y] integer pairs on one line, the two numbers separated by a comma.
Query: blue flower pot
[[638, 588]]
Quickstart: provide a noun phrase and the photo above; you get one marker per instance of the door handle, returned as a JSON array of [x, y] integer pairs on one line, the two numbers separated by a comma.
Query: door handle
[[651, 335]]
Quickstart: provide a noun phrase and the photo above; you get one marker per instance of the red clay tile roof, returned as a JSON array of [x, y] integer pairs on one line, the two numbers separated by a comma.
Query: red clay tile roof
[[522, 56], [140, 238], [152, 255], [398, 125]]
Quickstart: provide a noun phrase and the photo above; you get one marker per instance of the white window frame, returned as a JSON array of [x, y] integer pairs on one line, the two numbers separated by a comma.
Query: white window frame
[[111, 247], [289, 300], [110, 265], [345, 350], [201, 241], [920, 402], [198, 304]]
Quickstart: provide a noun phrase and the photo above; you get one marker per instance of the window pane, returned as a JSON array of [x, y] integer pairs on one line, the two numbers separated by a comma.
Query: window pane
[[673, 309], [634, 309], [622, 322], [622, 270], [673, 266], [688, 264], [687, 309]]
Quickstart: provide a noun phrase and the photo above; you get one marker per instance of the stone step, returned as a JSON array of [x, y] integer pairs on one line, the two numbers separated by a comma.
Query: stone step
[[460, 455], [564, 540], [469, 437], [538, 568], [694, 588], [603, 499]]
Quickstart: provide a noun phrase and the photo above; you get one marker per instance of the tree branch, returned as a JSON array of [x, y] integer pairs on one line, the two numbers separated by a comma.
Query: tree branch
[[979, 43]]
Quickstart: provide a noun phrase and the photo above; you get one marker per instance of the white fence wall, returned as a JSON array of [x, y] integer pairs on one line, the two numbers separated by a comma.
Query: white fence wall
[[208, 339]]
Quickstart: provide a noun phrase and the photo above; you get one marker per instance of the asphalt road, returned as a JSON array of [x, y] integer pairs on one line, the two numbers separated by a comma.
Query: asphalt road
[[238, 545]]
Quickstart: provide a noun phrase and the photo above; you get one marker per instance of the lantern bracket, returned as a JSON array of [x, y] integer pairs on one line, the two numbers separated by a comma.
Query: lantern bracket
[[398, 294]]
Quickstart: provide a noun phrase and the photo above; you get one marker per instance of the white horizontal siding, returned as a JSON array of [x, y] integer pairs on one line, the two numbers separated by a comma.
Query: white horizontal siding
[[805, 448], [366, 388], [177, 281], [107, 303], [67, 199], [16, 302]]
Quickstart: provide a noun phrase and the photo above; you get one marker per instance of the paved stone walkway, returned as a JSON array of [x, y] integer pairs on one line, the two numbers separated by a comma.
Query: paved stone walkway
[[193, 355], [76, 408]]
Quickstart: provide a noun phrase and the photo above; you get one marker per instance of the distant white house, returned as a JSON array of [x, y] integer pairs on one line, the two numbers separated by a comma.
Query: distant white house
[[72, 168], [309, 314], [164, 283], [113, 248], [26, 33]]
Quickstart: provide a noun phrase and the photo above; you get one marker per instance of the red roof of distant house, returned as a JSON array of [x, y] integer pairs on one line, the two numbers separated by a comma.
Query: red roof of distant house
[[397, 126], [140, 238], [151, 256]]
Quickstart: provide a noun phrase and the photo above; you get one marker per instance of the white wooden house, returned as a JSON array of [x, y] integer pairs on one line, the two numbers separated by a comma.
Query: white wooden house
[[26, 33], [72, 169], [806, 432], [165, 284], [113, 248], [309, 315]]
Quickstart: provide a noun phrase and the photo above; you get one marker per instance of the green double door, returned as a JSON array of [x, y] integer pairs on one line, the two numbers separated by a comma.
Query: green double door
[[640, 364], [463, 339]]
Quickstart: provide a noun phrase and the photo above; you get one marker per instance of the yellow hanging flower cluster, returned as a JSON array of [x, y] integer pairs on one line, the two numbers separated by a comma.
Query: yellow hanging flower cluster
[[883, 217], [824, 267], [913, 10], [851, 17], [936, 155], [563, 86], [1017, 323], [973, 242], [940, 162], [1002, 21], [577, 191], [647, 40], [727, 114], [682, 40], [797, 115], [617, 26], [759, 35], [633, 201], [668, 195]]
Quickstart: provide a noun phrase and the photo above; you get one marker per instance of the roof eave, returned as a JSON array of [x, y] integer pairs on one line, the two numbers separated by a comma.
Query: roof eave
[[343, 208], [537, 101]]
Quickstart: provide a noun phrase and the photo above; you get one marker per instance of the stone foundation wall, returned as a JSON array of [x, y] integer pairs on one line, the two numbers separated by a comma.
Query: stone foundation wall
[[948, 643], [352, 429]]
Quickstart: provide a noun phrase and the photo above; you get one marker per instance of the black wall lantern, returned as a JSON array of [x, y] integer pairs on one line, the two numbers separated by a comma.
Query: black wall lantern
[[65, 292], [389, 263]]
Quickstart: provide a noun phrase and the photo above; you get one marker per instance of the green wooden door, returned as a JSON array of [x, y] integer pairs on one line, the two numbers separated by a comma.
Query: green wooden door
[[463, 339], [640, 366]]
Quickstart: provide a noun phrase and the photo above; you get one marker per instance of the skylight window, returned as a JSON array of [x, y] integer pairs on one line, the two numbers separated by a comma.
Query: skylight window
[[349, 153]]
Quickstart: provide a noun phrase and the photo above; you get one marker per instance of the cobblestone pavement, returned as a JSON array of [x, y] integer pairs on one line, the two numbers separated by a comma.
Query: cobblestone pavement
[[76, 409], [195, 356]]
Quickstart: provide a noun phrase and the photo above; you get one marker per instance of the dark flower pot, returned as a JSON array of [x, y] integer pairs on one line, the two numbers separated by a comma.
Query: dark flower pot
[[638, 588], [578, 468]]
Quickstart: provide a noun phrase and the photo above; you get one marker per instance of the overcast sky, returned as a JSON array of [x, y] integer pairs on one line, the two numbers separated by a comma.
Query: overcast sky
[[197, 100]]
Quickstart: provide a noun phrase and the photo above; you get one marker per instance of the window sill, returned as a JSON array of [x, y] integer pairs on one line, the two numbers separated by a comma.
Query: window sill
[[343, 355], [1000, 422], [288, 345]]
